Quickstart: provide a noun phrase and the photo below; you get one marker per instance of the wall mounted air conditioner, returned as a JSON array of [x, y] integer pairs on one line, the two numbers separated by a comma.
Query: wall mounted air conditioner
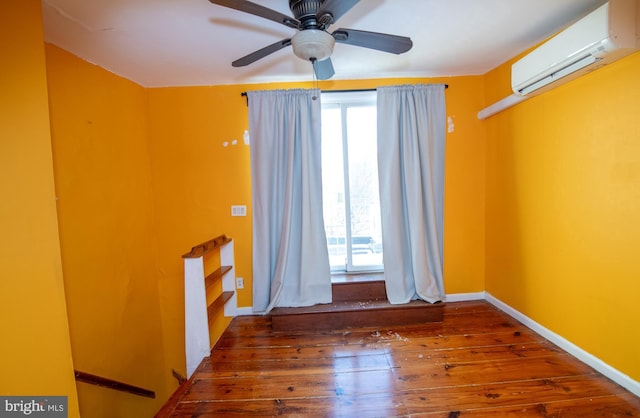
[[603, 36]]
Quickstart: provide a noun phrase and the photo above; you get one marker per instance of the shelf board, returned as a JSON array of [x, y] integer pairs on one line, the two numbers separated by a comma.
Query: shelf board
[[216, 275], [218, 304]]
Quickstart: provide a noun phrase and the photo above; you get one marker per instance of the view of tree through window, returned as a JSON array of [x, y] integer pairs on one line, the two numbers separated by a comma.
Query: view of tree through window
[[350, 181]]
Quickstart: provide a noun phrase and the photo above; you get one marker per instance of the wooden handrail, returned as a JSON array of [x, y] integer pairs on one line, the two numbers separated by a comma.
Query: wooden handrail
[[180, 378], [113, 384], [208, 246]]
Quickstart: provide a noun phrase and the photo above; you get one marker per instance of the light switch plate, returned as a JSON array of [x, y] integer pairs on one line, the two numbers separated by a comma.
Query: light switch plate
[[238, 210]]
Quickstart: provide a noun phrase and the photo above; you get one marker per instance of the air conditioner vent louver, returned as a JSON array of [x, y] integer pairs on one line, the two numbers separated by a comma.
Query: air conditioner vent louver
[[603, 36]]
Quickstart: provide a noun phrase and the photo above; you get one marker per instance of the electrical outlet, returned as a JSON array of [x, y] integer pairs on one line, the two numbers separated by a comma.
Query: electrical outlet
[[239, 283]]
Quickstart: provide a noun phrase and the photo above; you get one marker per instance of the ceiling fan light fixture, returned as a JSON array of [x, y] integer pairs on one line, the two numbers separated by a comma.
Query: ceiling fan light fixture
[[313, 44]]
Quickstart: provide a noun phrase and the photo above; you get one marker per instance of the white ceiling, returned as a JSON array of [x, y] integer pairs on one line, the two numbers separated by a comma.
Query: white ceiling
[[158, 43]]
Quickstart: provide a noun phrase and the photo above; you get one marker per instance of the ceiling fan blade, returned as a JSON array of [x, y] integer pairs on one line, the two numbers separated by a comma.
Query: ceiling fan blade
[[261, 53], [323, 69], [373, 40], [336, 7], [257, 10]]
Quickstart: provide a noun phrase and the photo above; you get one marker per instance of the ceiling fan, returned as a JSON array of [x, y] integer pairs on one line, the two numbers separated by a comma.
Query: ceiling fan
[[312, 42]]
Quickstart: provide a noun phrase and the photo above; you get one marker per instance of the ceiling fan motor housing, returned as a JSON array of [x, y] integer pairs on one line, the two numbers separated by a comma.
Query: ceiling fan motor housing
[[304, 8], [306, 11]]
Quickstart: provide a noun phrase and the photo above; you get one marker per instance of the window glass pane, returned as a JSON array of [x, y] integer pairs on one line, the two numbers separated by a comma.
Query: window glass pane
[[350, 182], [333, 187], [366, 236]]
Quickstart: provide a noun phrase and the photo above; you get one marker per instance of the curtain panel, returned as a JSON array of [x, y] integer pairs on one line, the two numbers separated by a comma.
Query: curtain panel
[[290, 258], [411, 151]]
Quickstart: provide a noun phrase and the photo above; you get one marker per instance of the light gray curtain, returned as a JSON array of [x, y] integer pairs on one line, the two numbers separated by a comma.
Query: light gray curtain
[[290, 259], [411, 149]]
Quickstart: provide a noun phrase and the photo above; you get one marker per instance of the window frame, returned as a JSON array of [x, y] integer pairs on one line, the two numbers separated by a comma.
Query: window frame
[[344, 100]]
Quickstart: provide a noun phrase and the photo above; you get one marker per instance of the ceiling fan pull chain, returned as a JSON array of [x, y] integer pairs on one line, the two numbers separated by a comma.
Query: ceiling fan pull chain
[[314, 79]]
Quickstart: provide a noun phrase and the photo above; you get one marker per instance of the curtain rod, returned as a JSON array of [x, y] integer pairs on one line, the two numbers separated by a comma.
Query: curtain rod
[[244, 93]]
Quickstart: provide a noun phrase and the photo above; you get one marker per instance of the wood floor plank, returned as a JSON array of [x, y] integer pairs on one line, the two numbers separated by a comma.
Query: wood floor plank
[[423, 374], [366, 406], [282, 340], [250, 321], [467, 324], [318, 365], [470, 397], [295, 353], [478, 363], [468, 307], [467, 321], [406, 358], [279, 386], [399, 341], [463, 324], [611, 406]]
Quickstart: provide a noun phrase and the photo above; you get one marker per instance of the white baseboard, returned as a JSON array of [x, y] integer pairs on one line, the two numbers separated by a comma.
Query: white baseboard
[[231, 310], [463, 297], [587, 358]]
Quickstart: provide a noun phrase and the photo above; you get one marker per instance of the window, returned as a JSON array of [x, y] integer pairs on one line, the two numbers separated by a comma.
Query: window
[[350, 181]]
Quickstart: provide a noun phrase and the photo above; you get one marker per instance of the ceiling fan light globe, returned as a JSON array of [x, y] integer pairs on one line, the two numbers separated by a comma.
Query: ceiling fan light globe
[[311, 44]]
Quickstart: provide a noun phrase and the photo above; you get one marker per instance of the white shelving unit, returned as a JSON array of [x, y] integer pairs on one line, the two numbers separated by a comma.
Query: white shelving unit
[[197, 311]]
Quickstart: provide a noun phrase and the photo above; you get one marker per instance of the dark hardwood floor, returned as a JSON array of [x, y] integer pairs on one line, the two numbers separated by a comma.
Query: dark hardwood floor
[[478, 362]]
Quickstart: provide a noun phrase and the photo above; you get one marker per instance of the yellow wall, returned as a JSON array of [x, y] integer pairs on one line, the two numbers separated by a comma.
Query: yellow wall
[[196, 180], [35, 353], [105, 209], [143, 175], [563, 209]]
